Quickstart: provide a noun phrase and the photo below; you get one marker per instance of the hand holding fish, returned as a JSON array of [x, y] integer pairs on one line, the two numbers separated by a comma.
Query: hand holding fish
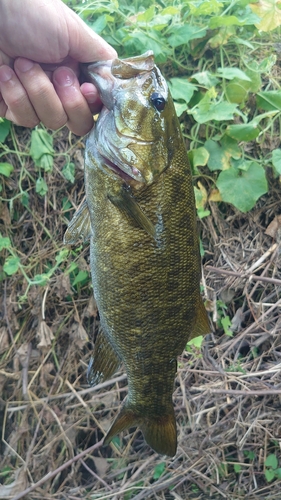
[[41, 46]]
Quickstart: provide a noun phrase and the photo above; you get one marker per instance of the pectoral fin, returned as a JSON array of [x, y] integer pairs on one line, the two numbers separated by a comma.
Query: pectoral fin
[[127, 204], [104, 362], [79, 227]]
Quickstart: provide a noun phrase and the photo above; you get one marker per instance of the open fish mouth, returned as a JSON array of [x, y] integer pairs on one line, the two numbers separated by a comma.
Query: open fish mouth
[[134, 174]]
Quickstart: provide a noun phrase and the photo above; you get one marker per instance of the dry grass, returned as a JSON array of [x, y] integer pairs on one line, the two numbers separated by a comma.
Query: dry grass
[[227, 399]]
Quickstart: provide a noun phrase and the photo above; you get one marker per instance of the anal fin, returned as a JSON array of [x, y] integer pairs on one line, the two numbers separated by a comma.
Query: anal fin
[[104, 362]]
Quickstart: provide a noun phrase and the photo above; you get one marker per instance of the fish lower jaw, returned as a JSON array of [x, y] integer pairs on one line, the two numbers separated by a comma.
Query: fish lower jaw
[[134, 176]]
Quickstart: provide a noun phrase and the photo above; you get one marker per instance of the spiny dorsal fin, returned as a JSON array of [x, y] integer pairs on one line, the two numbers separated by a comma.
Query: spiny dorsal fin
[[79, 227], [104, 363], [127, 204]]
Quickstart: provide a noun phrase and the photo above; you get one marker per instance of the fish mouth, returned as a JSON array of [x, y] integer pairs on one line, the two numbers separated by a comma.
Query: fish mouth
[[134, 174]]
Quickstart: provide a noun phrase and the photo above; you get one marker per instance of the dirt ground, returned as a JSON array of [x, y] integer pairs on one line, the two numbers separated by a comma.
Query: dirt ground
[[227, 395]]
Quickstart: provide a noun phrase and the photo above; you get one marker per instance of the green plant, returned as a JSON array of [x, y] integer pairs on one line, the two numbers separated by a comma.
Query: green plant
[[272, 471]]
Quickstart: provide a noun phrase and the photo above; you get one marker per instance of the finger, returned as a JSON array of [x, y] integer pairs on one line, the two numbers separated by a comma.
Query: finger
[[80, 119], [41, 93], [91, 95], [18, 106]]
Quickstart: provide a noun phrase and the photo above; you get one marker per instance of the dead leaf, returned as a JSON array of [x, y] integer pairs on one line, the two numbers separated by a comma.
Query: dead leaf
[[269, 12], [101, 465], [4, 339], [22, 353], [45, 335], [45, 377], [274, 228], [62, 286], [215, 195], [79, 335], [91, 311]]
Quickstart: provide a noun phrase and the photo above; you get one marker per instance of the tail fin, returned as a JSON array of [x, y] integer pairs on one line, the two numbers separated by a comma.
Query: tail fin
[[159, 431]]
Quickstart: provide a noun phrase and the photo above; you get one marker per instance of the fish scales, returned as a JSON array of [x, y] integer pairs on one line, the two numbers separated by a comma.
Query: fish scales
[[145, 258]]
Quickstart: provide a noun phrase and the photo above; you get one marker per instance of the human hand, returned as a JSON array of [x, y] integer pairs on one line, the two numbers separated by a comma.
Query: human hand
[[41, 45]]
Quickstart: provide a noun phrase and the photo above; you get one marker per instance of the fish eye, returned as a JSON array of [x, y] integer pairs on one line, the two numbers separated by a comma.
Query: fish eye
[[158, 101]]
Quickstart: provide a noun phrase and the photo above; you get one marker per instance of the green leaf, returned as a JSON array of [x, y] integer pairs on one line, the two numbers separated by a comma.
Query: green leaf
[[6, 169], [11, 265], [271, 461], [197, 341], [41, 279], [4, 242], [208, 109], [41, 145], [276, 160], [226, 324], [147, 15], [159, 469], [5, 126], [41, 186], [237, 468], [68, 172], [61, 257], [269, 100], [25, 199], [230, 73], [200, 157], [278, 473], [218, 158], [243, 132], [81, 276], [206, 79], [269, 475], [242, 188], [235, 92], [269, 13], [183, 34], [99, 24], [181, 89]]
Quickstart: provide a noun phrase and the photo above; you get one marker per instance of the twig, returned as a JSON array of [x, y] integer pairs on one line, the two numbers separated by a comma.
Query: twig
[[53, 473], [250, 277], [237, 392]]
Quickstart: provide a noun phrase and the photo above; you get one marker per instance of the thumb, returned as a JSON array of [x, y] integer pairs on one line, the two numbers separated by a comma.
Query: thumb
[[84, 44]]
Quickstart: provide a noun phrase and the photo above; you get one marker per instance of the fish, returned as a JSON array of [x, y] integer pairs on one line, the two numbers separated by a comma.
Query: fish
[[139, 215]]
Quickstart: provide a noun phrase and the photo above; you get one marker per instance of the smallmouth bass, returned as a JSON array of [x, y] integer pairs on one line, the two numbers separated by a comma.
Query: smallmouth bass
[[140, 217]]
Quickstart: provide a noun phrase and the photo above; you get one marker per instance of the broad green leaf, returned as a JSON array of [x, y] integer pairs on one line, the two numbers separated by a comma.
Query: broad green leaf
[[147, 15], [230, 73], [159, 469], [4, 242], [231, 147], [81, 276], [278, 473], [276, 160], [61, 257], [6, 169], [269, 12], [269, 474], [226, 324], [181, 89], [218, 158], [200, 157], [41, 186], [41, 279], [5, 126], [197, 341], [180, 108], [25, 199], [183, 34], [271, 461], [243, 132], [242, 188], [99, 24], [208, 109], [269, 100], [11, 265], [206, 79], [236, 93], [237, 468], [205, 8], [68, 171], [172, 11], [41, 145]]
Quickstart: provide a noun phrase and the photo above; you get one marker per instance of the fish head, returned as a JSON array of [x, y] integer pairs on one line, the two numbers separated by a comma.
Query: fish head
[[134, 130]]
